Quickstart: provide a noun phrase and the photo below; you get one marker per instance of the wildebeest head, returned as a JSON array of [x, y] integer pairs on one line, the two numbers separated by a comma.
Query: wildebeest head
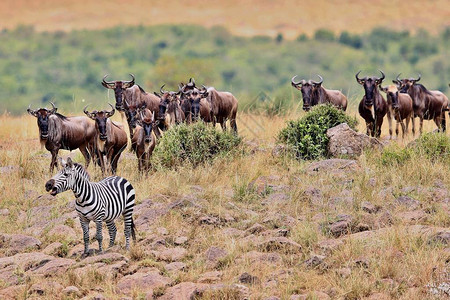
[[307, 88], [370, 86], [392, 94], [165, 97], [118, 86], [100, 118], [147, 121], [42, 115], [194, 96], [403, 85]]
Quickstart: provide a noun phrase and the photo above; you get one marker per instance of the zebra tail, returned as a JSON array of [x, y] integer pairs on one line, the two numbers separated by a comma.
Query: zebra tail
[[133, 230]]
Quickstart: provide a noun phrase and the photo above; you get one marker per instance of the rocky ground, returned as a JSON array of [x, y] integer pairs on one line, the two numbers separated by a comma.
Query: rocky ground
[[254, 227]]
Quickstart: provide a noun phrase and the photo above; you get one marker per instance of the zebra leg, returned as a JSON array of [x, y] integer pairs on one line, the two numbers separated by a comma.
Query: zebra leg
[[85, 227], [99, 236], [112, 230], [128, 222]]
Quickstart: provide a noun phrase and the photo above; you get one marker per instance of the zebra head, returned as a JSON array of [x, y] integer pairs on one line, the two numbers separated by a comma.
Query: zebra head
[[65, 179]]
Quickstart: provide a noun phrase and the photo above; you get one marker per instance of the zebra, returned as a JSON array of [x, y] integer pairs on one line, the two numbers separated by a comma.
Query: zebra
[[96, 201]]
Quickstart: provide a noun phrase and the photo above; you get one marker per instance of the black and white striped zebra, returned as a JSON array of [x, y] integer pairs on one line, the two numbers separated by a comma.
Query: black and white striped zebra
[[96, 201]]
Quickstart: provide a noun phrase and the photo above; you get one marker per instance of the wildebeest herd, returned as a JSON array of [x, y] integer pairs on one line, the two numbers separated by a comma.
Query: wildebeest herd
[[147, 115], [406, 99]]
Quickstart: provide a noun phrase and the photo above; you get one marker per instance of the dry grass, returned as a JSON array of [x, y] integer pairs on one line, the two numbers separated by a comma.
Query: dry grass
[[400, 262], [247, 18]]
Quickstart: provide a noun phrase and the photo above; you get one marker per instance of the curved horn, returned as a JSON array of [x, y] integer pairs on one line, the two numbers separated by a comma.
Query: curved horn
[[359, 80], [32, 112], [383, 76], [89, 114], [54, 108], [107, 84], [296, 83], [161, 89], [111, 112], [318, 83], [127, 84], [415, 80], [397, 79], [126, 102]]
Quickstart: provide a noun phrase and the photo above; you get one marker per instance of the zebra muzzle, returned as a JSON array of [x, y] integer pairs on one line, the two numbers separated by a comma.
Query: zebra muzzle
[[49, 185]]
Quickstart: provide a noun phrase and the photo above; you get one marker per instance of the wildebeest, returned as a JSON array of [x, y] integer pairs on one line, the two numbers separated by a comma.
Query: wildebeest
[[111, 138], [170, 112], [314, 93], [144, 139], [129, 96], [200, 107], [428, 105], [401, 107], [224, 107], [68, 133], [372, 107]]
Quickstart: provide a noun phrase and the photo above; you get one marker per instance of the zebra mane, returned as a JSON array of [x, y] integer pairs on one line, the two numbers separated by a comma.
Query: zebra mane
[[82, 170]]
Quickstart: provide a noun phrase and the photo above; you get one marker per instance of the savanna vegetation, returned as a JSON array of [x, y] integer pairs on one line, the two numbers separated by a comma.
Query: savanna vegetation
[[67, 67]]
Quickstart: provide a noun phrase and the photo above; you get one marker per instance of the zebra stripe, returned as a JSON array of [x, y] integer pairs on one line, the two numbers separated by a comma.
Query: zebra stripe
[[99, 201]]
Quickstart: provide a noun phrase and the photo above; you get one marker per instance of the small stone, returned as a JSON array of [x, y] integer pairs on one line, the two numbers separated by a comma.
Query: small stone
[[214, 254], [162, 231], [248, 279], [4, 212], [256, 228], [210, 277], [344, 272], [53, 249], [314, 261], [180, 240], [71, 291], [407, 202], [362, 262], [369, 207], [175, 266]]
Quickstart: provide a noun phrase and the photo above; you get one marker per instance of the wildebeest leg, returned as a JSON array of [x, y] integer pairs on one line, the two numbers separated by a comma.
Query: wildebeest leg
[[86, 155], [420, 125], [404, 129], [54, 157], [396, 129], [443, 125], [378, 127], [389, 117], [223, 123], [413, 124], [102, 161], [233, 123]]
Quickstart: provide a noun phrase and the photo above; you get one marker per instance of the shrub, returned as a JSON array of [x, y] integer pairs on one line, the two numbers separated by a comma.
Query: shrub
[[394, 155], [193, 145], [434, 146], [324, 35], [307, 138]]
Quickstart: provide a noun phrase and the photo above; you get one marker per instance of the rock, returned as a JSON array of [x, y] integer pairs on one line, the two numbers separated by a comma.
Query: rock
[[340, 228], [209, 220], [54, 267], [280, 243], [180, 240], [344, 141], [162, 231], [314, 261], [242, 290], [378, 296], [175, 266], [344, 272], [414, 216], [329, 245], [53, 249], [362, 227], [172, 254], [441, 237], [184, 291], [312, 295], [256, 228], [278, 220], [4, 212], [362, 262], [334, 166], [233, 232], [214, 254], [263, 184], [144, 282], [275, 198], [18, 243], [407, 202], [248, 279], [107, 258], [37, 289], [13, 292], [210, 277], [272, 298], [255, 257], [71, 291], [63, 232], [369, 207]]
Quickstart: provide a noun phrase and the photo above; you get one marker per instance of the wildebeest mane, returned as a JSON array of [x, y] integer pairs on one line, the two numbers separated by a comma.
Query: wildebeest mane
[[142, 90], [422, 89]]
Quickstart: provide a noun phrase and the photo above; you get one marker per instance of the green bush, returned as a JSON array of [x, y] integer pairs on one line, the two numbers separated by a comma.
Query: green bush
[[394, 155], [193, 145], [434, 146], [307, 138]]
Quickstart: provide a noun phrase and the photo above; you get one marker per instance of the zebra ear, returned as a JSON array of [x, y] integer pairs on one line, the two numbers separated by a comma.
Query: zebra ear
[[69, 162], [62, 163]]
